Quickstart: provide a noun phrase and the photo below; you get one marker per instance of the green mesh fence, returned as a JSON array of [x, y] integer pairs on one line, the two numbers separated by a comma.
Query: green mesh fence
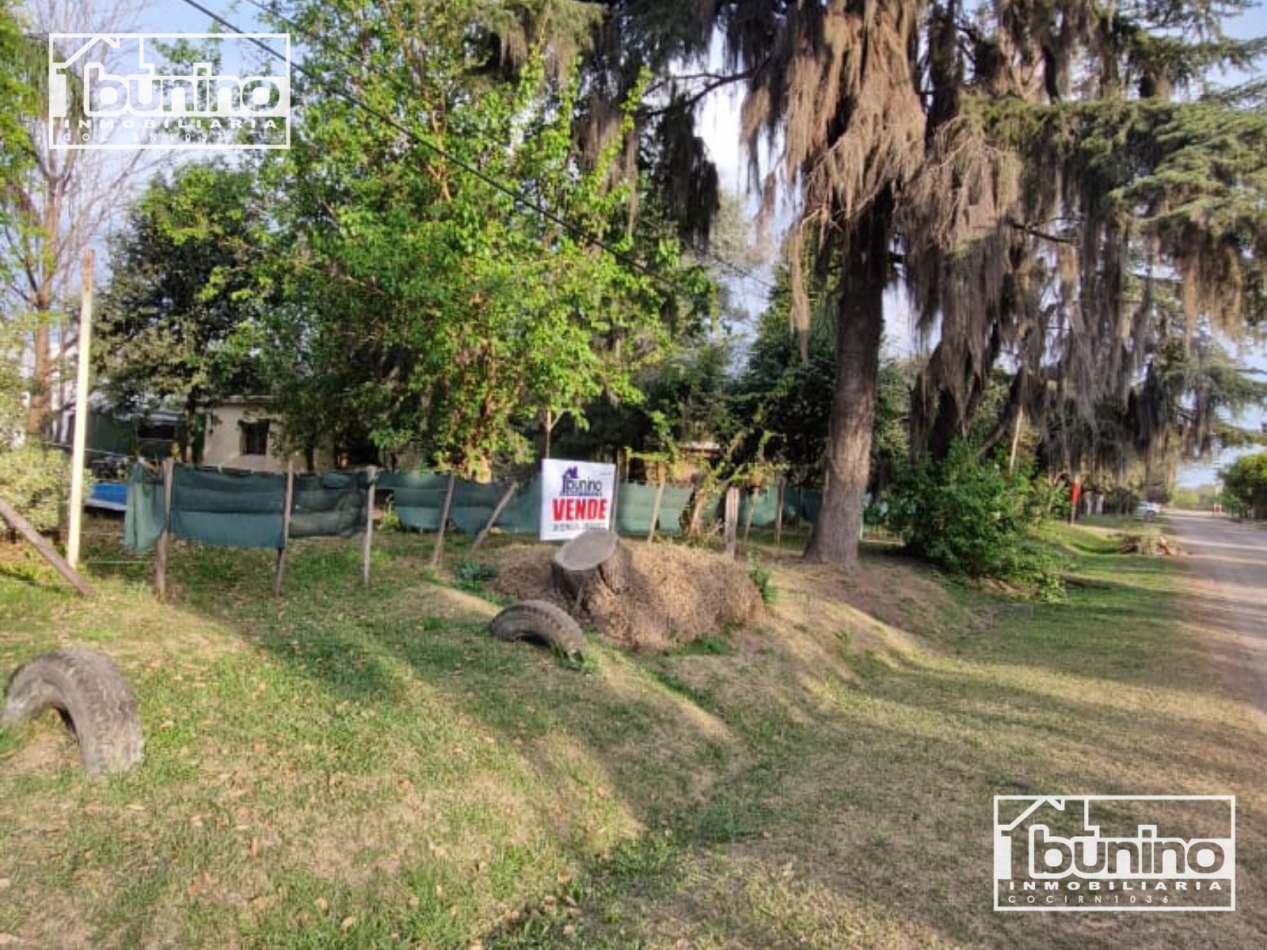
[[143, 519], [239, 509], [243, 509], [635, 504]]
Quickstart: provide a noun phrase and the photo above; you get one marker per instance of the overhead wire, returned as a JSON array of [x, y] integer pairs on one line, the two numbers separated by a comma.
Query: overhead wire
[[519, 197]]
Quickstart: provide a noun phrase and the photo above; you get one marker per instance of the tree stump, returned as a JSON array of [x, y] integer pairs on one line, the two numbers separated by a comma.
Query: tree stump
[[593, 558]]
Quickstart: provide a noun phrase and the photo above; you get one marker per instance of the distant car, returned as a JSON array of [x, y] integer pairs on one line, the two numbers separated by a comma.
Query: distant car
[[1147, 510]]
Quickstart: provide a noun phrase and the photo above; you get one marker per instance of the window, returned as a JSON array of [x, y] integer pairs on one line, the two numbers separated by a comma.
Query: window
[[254, 437]]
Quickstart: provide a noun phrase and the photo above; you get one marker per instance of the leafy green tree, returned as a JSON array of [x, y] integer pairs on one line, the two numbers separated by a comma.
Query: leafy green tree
[[786, 394], [424, 292], [177, 321], [1245, 483]]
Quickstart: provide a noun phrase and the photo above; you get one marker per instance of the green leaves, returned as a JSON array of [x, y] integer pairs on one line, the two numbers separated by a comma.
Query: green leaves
[[970, 516], [177, 319], [1245, 482], [437, 304]]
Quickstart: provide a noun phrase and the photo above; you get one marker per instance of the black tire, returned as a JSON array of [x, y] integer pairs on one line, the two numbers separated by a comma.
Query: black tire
[[541, 621], [93, 698]]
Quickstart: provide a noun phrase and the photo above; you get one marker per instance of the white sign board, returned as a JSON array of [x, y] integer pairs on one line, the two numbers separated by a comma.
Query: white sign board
[[575, 496]]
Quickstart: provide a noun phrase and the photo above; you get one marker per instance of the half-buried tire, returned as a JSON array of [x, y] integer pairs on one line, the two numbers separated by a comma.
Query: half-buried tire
[[540, 621], [94, 700]]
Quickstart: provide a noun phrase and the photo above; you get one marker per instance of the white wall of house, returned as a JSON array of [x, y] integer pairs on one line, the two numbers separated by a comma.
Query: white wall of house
[[236, 438]]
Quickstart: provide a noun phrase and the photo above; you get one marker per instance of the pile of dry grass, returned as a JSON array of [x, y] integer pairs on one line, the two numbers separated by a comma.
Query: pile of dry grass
[[676, 594], [1149, 544]]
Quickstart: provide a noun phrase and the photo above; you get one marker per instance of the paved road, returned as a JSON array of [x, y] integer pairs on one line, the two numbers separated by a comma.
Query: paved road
[[1226, 596]]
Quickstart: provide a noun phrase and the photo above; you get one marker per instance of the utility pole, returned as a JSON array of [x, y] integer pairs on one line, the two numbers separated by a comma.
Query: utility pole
[[81, 416]]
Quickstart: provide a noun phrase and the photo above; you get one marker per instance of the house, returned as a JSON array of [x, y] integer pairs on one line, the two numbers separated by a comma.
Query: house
[[244, 432], [241, 432]]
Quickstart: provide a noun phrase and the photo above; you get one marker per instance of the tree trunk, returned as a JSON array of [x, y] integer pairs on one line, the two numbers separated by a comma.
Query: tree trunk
[[860, 326], [595, 557]]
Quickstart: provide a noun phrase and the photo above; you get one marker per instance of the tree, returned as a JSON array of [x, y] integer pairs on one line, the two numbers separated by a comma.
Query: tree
[[177, 322], [787, 395], [425, 291], [56, 207], [926, 134], [1245, 483]]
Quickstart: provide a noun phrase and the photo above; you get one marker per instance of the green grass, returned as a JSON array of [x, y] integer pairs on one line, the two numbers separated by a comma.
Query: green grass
[[366, 769]]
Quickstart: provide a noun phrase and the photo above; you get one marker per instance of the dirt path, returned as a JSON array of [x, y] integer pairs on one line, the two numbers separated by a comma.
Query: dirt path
[[1225, 595]]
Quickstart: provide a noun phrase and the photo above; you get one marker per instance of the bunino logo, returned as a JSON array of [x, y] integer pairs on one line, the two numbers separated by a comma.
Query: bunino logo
[[113, 91], [580, 501], [576, 487], [1115, 852]]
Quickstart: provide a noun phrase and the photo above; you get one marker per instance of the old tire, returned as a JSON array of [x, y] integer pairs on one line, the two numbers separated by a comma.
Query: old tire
[[541, 621], [93, 698]]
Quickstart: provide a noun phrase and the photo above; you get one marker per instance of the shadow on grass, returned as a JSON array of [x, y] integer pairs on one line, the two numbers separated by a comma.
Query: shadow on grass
[[848, 806]]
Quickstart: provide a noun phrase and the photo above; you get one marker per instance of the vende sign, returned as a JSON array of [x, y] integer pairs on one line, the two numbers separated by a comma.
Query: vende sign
[[575, 496]]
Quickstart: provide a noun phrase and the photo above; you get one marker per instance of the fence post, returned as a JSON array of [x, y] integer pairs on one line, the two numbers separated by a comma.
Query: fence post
[[281, 552], [747, 521], [732, 521], [24, 528], [372, 476], [438, 550], [160, 553], [778, 515], [492, 519], [655, 508]]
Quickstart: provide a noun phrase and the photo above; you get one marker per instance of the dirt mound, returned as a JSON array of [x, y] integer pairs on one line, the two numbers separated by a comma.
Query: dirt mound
[[677, 594]]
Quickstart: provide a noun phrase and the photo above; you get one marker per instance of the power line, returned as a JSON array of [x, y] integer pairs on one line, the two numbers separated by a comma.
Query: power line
[[515, 195], [736, 270]]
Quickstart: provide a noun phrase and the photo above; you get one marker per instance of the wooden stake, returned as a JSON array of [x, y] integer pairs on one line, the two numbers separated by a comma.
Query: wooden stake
[[367, 542], [655, 509], [160, 553], [492, 519], [747, 520], [731, 524], [281, 552], [438, 550], [611, 520], [1016, 440], [78, 451], [778, 514], [24, 528]]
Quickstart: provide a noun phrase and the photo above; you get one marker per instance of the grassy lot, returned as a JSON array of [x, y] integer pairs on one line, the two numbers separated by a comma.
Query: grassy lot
[[365, 768]]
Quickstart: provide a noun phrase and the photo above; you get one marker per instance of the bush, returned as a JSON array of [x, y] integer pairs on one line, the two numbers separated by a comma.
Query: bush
[[970, 516], [35, 482]]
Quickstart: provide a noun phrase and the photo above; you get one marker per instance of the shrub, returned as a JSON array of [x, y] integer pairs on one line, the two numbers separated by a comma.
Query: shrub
[[971, 516], [35, 482], [761, 579]]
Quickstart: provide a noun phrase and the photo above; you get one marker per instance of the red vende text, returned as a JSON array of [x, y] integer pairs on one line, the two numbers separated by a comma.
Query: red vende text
[[579, 509]]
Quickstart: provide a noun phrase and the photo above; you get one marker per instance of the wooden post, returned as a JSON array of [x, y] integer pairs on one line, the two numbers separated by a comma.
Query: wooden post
[[438, 550], [24, 528], [492, 519], [1016, 440], [75, 528], [747, 520], [367, 542], [731, 524], [655, 508], [160, 553], [611, 520], [286, 505], [778, 514]]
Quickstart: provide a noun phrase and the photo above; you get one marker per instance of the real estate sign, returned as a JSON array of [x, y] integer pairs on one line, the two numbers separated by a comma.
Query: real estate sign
[[575, 496]]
